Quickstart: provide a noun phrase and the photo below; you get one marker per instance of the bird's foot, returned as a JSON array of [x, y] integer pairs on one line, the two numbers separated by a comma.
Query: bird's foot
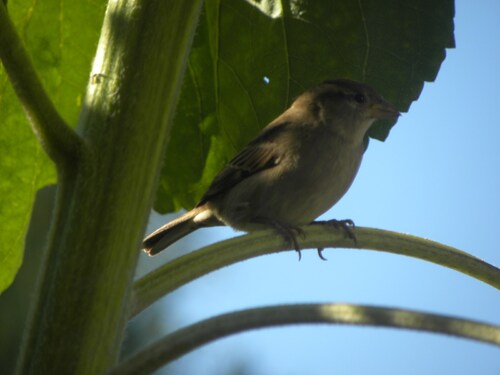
[[287, 231], [346, 225]]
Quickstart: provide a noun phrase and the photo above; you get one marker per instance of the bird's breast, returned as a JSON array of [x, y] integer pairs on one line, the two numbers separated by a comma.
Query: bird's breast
[[322, 175]]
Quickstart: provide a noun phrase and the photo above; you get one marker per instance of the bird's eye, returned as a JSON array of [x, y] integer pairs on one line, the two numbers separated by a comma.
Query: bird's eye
[[360, 98]]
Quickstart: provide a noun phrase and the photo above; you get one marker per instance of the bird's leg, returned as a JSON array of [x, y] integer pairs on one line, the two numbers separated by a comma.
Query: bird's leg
[[287, 231], [346, 225]]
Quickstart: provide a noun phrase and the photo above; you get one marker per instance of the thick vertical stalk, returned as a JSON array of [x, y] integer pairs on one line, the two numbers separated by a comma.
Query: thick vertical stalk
[[82, 305]]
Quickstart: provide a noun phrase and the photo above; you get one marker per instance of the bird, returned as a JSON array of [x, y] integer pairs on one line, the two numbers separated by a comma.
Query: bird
[[294, 170]]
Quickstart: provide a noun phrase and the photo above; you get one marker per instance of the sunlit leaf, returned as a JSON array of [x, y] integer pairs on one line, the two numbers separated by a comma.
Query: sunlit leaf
[[61, 38]]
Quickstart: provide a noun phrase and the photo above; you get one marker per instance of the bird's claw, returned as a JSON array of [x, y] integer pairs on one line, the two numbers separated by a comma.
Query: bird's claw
[[346, 225], [320, 253], [288, 232]]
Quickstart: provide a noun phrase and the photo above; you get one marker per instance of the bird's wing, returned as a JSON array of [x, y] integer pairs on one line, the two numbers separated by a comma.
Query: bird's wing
[[258, 155]]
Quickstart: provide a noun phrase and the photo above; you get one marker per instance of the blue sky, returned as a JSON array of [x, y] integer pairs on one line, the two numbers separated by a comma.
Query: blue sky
[[437, 176]]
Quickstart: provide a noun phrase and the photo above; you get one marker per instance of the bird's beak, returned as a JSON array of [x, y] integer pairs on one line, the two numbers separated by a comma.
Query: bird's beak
[[384, 111]]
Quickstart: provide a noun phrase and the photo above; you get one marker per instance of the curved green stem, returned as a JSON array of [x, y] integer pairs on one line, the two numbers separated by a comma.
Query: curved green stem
[[60, 142], [189, 338], [189, 267]]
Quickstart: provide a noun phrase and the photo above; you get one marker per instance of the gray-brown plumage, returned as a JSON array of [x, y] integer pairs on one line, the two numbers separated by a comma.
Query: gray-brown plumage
[[298, 167]]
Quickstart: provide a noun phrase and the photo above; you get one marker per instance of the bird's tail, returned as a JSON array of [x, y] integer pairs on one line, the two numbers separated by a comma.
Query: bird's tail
[[173, 231]]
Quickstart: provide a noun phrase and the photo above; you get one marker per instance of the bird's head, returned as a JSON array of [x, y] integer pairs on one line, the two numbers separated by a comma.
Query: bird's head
[[345, 106]]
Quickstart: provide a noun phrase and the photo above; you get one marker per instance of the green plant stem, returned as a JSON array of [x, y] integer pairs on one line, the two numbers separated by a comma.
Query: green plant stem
[[184, 269], [189, 338], [59, 141], [81, 308]]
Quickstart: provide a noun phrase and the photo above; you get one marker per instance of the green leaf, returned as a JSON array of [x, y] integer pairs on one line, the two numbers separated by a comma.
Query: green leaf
[[61, 39], [251, 58]]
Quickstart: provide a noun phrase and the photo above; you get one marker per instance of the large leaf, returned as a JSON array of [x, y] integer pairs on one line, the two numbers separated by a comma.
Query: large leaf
[[251, 58], [61, 39]]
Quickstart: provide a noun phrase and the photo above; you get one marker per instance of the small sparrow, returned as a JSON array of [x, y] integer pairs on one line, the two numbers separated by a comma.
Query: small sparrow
[[298, 167]]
